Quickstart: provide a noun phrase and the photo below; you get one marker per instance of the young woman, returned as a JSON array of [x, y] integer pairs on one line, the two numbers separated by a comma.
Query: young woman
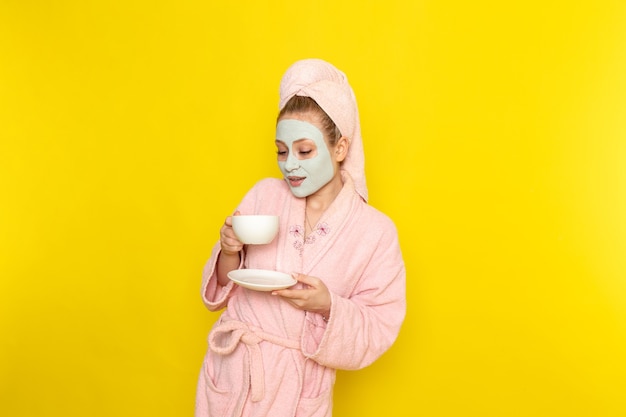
[[276, 353]]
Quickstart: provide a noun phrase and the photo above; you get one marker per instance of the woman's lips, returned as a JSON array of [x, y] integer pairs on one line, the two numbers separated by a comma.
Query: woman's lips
[[295, 181]]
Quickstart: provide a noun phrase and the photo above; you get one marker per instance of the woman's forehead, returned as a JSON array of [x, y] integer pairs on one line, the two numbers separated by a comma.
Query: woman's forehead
[[291, 130]]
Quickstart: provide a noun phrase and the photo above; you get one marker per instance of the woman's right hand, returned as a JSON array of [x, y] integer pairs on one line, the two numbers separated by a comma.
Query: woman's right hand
[[230, 244]]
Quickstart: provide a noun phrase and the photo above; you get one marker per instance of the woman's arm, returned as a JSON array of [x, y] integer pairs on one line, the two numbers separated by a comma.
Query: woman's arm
[[364, 324], [229, 257]]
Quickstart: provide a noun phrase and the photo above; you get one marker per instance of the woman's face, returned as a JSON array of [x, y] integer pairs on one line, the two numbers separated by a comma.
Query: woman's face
[[304, 156]]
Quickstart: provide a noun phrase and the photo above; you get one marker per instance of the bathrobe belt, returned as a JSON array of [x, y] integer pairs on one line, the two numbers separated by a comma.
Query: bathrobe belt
[[231, 332]]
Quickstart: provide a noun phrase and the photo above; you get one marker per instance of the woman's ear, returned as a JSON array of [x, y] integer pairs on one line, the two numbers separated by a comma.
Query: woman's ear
[[341, 148]]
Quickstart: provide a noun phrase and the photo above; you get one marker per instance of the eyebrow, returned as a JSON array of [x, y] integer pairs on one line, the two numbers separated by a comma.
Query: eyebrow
[[295, 141]]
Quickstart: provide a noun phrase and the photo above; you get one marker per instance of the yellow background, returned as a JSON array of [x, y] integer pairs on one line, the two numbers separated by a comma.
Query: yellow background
[[495, 137]]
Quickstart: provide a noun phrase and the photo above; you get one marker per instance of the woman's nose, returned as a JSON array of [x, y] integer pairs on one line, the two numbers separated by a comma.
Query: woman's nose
[[291, 163]]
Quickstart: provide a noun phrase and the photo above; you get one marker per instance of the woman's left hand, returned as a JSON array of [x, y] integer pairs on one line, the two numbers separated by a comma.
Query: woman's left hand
[[313, 297]]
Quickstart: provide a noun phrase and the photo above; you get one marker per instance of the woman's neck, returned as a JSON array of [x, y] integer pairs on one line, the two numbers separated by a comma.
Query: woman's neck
[[320, 200]]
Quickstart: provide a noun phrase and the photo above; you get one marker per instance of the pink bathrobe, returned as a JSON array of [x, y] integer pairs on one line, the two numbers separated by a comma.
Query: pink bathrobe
[[267, 358]]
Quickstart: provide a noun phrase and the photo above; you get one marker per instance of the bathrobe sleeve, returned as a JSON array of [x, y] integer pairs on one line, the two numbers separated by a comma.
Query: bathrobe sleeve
[[363, 325], [215, 296]]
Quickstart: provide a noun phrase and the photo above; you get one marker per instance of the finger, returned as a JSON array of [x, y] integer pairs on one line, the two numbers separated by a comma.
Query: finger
[[305, 279], [227, 237], [229, 233], [231, 241], [232, 248], [229, 220], [290, 294]]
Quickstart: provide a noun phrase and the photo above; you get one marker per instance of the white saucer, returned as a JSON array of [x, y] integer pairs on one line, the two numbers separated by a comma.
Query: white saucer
[[261, 280]]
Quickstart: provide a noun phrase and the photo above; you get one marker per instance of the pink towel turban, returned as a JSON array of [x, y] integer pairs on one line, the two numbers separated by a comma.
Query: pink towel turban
[[329, 88]]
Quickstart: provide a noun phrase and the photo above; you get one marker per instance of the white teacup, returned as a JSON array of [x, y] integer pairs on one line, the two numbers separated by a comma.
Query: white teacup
[[255, 229]]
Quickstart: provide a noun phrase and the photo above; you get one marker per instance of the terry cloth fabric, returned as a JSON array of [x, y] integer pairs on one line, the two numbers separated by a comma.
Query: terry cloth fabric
[[329, 87], [268, 358]]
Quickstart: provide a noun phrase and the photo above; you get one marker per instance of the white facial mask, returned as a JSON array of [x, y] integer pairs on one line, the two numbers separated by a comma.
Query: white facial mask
[[314, 172]]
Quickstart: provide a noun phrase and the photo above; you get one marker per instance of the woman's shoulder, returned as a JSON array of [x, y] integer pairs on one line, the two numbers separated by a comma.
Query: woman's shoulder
[[376, 220], [375, 228]]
